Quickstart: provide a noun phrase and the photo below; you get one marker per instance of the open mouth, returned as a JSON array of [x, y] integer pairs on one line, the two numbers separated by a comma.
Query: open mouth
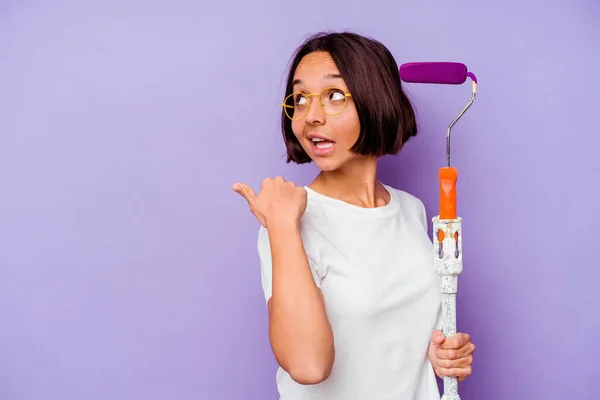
[[322, 144]]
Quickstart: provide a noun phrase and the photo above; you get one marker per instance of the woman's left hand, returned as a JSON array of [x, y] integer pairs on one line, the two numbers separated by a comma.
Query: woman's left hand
[[451, 356]]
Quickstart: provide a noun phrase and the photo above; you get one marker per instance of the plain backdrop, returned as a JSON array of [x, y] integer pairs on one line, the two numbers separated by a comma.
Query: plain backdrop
[[128, 266]]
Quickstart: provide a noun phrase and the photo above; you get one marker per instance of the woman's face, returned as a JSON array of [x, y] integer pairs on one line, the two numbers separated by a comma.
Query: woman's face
[[327, 139]]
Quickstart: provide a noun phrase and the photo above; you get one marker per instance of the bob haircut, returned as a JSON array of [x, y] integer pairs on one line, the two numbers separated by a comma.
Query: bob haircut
[[386, 116]]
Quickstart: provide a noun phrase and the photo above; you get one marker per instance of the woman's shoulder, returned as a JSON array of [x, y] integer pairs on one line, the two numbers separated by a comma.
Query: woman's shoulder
[[410, 204], [406, 198]]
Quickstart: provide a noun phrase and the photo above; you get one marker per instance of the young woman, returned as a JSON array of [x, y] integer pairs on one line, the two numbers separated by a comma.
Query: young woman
[[354, 302]]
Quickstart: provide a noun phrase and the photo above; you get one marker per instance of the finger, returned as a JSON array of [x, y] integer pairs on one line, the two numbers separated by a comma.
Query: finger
[[454, 354], [456, 341], [458, 363], [245, 191], [265, 182], [437, 337], [459, 373]]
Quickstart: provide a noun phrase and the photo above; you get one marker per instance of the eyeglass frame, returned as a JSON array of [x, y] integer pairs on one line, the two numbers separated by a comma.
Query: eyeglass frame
[[318, 95]]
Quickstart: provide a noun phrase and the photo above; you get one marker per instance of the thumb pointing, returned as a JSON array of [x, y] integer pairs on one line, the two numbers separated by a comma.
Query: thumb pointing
[[437, 337], [245, 191]]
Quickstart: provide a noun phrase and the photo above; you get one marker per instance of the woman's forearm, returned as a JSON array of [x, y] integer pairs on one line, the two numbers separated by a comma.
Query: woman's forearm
[[300, 333]]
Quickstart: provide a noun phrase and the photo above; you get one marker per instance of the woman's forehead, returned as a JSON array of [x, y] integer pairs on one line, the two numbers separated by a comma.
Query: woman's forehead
[[317, 64], [316, 68]]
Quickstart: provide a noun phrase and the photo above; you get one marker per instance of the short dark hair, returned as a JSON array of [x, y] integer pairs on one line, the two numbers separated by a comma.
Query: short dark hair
[[387, 118]]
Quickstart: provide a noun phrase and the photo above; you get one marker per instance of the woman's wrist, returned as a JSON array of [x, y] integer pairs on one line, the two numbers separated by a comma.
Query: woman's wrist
[[282, 223]]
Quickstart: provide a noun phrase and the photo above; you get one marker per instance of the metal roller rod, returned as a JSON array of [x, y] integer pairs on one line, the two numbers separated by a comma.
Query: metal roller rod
[[455, 121], [448, 265]]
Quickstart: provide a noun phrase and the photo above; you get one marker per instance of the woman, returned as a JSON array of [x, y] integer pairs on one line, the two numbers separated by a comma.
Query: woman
[[354, 302]]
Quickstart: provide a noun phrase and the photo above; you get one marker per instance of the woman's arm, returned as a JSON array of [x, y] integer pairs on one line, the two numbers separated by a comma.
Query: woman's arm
[[300, 333], [299, 330]]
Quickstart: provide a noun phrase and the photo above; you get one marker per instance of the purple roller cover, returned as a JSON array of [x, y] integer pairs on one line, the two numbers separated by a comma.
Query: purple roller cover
[[450, 73]]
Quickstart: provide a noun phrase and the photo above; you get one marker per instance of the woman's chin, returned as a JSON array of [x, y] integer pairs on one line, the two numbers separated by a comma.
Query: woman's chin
[[329, 164], [326, 164]]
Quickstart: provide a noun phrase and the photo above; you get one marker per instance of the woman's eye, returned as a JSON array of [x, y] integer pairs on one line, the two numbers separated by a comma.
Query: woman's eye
[[300, 100], [336, 95]]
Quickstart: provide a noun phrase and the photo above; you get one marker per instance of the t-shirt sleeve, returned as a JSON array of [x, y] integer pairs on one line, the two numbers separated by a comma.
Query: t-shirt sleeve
[[438, 321], [423, 214], [424, 222], [266, 264]]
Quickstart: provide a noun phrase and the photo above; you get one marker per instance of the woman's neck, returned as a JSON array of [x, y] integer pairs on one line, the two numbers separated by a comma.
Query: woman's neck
[[355, 183]]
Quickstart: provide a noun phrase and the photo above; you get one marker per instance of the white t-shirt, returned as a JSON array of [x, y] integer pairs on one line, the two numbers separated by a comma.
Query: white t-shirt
[[382, 297]]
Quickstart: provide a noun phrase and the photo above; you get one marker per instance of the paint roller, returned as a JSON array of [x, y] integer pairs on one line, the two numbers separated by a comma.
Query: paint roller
[[447, 226]]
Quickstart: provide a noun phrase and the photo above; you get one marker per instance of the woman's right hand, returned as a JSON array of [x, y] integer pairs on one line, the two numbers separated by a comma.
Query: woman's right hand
[[278, 202]]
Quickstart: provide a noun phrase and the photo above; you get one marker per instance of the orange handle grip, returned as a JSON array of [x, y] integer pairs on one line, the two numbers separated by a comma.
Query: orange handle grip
[[448, 177]]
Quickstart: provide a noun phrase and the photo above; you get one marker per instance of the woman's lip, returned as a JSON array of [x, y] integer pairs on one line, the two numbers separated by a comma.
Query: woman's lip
[[315, 135], [322, 151]]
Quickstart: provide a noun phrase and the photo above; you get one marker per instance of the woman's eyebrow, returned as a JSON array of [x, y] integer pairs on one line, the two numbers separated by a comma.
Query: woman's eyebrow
[[328, 76]]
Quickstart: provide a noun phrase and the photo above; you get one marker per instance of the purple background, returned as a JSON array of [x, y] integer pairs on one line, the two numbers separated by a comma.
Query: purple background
[[128, 267]]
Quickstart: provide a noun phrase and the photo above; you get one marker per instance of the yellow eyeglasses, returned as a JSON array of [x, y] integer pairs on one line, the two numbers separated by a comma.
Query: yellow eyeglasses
[[332, 101]]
